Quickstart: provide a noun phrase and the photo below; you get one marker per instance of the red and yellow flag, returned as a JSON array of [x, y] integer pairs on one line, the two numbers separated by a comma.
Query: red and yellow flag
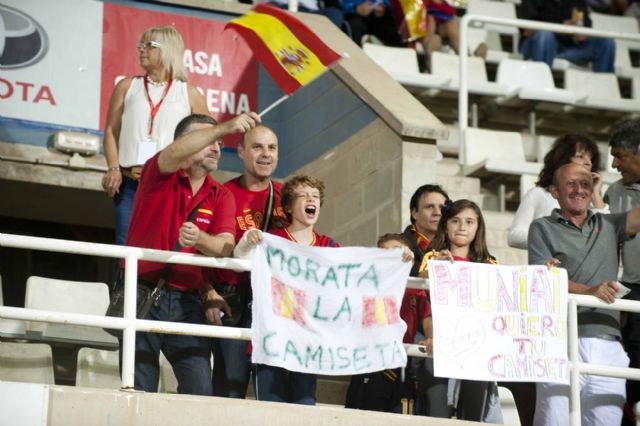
[[411, 18], [290, 52]]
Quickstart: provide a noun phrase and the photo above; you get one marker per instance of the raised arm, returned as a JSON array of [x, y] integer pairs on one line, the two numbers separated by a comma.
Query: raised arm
[[192, 142], [196, 101], [633, 221], [525, 214]]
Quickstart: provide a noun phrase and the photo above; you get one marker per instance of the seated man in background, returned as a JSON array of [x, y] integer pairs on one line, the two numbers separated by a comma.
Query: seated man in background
[[544, 46]]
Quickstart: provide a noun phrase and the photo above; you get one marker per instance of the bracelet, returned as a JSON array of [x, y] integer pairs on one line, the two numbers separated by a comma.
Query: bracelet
[[114, 169]]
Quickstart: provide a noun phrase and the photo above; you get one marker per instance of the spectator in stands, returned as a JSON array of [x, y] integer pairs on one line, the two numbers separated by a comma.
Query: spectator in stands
[[143, 114], [442, 23], [538, 201], [586, 245], [371, 17], [176, 185], [301, 196], [254, 191], [623, 196], [329, 8], [393, 391], [613, 7], [425, 211], [461, 238], [425, 208], [545, 46]]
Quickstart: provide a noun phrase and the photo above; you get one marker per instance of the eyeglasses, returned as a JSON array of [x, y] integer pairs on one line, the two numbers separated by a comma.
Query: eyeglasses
[[148, 45]]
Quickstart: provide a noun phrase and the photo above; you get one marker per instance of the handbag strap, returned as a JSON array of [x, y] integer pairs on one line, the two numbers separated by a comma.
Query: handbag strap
[[268, 208]]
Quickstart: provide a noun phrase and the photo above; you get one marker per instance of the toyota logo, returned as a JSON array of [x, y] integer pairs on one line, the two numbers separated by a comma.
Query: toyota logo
[[23, 41]]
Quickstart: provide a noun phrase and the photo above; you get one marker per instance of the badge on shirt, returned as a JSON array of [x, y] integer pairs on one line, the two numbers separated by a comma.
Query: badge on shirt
[[147, 148]]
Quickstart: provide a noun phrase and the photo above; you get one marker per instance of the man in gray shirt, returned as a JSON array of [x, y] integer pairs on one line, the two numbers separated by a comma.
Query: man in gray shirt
[[623, 196], [585, 244]]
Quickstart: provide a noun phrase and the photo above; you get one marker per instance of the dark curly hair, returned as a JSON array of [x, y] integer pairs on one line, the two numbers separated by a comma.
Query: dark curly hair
[[287, 195], [563, 148], [478, 251]]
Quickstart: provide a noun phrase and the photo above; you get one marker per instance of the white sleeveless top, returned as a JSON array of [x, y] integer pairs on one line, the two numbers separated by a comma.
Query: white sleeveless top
[[137, 112]]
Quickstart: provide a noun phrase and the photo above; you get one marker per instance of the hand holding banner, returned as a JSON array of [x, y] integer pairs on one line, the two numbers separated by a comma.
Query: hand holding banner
[[323, 310]]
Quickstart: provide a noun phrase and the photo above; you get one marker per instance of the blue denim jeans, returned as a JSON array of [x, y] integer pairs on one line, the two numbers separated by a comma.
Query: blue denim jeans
[[544, 46], [231, 366], [280, 385], [190, 356], [122, 206]]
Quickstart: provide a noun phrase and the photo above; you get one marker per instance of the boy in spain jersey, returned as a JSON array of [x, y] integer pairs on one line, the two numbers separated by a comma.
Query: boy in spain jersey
[[301, 199]]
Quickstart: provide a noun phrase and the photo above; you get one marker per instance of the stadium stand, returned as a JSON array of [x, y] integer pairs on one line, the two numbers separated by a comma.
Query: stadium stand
[[598, 91]]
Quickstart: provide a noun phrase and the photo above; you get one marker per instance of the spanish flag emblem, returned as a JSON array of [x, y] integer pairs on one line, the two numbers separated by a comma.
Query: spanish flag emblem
[[289, 51], [287, 302], [379, 311]]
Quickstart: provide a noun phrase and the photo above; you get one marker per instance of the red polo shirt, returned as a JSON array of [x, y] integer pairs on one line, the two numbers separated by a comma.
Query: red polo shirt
[[318, 240], [248, 215], [161, 205]]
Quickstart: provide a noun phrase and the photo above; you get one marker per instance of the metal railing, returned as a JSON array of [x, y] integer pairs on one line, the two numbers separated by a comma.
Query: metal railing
[[129, 324], [463, 91]]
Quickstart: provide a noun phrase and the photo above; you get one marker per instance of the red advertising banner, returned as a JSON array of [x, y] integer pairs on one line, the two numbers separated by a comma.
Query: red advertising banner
[[219, 63]]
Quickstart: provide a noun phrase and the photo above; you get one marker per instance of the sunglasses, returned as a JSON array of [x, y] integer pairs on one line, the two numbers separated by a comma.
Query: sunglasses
[[148, 45]]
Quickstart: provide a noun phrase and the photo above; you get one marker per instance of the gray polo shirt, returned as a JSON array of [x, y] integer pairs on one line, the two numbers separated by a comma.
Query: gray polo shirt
[[622, 198], [590, 256]]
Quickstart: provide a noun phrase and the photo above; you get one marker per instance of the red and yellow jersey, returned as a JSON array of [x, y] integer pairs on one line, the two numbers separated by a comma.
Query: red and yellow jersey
[[318, 240]]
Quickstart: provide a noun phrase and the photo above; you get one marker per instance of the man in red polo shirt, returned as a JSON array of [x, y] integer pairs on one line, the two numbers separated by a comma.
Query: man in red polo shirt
[[259, 154], [175, 185]]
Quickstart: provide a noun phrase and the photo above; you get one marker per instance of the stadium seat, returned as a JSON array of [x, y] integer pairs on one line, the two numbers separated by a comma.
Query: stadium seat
[[401, 63], [496, 152], [26, 362], [443, 64], [10, 328], [496, 9], [98, 368], [168, 382], [73, 297], [533, 81], [624, 24], [599, 91]]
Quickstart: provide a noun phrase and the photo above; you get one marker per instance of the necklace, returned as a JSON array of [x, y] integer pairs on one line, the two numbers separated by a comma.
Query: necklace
[[155, 83]]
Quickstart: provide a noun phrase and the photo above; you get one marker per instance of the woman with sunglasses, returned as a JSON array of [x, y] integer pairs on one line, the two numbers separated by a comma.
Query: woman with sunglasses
[[143, 114]]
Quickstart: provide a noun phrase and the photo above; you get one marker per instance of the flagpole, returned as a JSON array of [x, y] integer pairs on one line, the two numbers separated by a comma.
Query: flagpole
[[273, 105]]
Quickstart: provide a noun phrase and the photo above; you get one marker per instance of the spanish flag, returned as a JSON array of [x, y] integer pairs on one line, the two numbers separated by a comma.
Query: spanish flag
[[287, 302], [288, 50], [411, 18]]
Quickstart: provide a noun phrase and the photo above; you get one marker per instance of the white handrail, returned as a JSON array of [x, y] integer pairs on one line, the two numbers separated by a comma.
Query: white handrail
[[130, 324], [463, 91]]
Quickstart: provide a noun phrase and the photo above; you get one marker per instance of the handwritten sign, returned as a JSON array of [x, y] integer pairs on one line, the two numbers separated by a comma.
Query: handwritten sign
[[323, 310], [502, 323]]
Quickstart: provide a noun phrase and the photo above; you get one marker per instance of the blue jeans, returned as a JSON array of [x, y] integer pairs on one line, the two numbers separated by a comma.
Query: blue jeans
[[231, 366], [280, 385], [544, 46], [122, 206], [190, 356]]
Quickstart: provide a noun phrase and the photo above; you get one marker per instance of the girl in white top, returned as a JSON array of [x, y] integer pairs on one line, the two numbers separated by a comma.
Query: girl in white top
[[143, 113], [538, 202]]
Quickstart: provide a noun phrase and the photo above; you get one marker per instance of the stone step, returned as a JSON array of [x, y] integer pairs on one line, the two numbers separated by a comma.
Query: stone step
[[448, 167], [509, 256], [475, 197], [459, 184], [497, 238], [497, 220]]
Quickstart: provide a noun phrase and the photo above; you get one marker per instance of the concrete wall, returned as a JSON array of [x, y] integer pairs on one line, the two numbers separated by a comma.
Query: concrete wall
[[369, 180], [31, 404]]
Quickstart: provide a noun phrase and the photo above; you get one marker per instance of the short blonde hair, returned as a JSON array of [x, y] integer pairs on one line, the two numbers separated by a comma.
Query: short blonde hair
[[172, 49]]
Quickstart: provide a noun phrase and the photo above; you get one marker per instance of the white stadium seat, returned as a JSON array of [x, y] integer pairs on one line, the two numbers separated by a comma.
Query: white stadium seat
[[98, 369], [26, 362], [598, 90]]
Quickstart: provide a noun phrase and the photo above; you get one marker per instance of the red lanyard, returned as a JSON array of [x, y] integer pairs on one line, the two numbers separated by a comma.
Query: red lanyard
[[156, 107]]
